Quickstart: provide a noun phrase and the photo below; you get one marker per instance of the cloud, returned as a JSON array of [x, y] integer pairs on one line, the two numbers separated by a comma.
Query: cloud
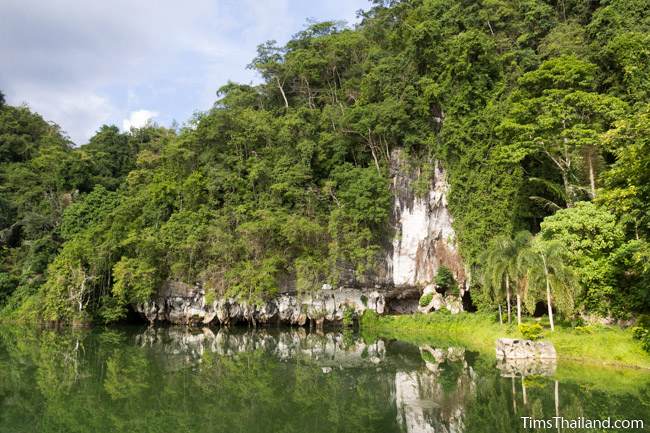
[[138, 119], [81, 63]]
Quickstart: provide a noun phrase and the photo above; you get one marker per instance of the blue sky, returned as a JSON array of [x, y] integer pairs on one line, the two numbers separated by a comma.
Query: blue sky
[[83, 63]]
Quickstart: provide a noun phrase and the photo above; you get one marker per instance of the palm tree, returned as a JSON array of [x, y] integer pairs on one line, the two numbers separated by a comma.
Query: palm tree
[[502, 267], [547, 272]]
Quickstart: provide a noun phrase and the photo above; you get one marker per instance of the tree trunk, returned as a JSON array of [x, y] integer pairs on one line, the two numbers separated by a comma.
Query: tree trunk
[[500, 315], [508, 297], [518, 309], [286, 103], [592, 177], [548, 295]]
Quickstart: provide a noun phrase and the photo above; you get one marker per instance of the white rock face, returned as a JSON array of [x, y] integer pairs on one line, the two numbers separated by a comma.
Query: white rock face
[[180, 303], [510, 348], [409, 402], [424, 238]]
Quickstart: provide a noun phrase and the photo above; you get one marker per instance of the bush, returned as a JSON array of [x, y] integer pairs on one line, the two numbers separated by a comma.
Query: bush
[[584, 329], [644, 321], [348, 316], [445, 280], [531, 331], [369, 318], [426, 299], [639, 333], [645, 343]]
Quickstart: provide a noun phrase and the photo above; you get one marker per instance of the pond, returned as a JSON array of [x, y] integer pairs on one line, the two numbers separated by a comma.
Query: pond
[[287, 380]]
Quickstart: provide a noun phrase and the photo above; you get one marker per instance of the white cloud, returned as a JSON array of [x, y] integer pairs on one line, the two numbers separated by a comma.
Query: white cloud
[[82, 63], [138, 119]]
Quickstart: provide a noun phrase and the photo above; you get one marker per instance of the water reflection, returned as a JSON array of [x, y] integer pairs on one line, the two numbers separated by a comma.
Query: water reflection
[[219, 380]]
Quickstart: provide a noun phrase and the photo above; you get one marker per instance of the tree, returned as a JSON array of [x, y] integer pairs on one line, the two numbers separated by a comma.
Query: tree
[[557, 114], [502, 267], [590, 234], [547, 268], [627, 183]]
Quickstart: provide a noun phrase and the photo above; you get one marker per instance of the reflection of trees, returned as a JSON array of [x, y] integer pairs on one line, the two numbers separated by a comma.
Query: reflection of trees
[[103, 381]]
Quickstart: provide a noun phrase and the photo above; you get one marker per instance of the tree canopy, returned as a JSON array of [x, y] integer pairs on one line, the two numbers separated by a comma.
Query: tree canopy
[[537, 109]]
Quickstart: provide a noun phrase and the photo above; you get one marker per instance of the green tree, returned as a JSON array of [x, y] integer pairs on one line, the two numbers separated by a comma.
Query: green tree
[[548, 268], [557, 114], [590, 235], [502, 267]]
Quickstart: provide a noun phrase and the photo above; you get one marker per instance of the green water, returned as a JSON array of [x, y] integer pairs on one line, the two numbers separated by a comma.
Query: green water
[[210, 380]]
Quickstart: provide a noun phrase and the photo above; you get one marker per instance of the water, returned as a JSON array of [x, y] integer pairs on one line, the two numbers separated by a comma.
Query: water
[[178, 380]]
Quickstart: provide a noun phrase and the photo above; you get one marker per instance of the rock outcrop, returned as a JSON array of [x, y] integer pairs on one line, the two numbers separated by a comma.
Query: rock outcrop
[[424, 237], [180, 303], [509, 348], [452, 303], [423, 241]]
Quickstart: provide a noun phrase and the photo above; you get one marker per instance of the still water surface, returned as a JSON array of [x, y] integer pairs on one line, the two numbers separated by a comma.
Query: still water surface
[[209, 380]]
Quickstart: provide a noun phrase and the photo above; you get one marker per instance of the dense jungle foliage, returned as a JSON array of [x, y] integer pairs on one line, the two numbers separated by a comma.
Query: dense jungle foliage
[[539, 109]]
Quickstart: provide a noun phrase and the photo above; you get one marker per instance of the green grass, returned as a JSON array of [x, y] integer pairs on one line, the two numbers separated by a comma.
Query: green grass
[[605, 346]]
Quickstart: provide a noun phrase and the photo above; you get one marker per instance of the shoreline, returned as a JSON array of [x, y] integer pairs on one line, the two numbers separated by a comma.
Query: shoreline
[[478, 332]]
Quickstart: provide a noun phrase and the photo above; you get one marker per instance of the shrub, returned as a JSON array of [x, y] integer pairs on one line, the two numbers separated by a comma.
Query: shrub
[[531, 331], [645, 343], [583, 329], [426, 299], [369, 318], [644, 321], [445, 280], [348, 316], [427, 356], [639, 333]]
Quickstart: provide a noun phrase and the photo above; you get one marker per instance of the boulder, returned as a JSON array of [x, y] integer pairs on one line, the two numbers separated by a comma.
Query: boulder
[[510, 348]]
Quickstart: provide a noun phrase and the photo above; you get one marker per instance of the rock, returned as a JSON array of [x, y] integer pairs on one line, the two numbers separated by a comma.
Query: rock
[[453, 304], [425, 238], [509, 348], [526, 367], [179, 303], [437, 301], [429, 288]]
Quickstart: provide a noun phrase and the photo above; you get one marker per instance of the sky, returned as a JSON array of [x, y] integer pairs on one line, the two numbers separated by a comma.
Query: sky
[[84, 63]]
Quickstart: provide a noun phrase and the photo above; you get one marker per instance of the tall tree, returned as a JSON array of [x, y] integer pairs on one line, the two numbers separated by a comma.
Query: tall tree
[[549, 273], [502, 267]]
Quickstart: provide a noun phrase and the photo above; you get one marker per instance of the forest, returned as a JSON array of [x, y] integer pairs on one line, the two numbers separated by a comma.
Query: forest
[[538, 109]]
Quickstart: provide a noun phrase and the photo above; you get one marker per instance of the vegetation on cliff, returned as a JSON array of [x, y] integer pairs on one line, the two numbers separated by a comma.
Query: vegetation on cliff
[[538, 109]]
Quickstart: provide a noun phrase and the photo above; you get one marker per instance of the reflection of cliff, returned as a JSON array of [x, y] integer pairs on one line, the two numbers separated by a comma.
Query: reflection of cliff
[[330, 350], [433, 398]]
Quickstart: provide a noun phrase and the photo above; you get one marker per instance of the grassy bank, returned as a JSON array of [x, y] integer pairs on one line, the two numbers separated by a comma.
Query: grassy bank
[[609, 346]]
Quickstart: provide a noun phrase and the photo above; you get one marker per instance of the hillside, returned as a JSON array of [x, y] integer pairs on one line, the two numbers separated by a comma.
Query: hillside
[[538, 112]]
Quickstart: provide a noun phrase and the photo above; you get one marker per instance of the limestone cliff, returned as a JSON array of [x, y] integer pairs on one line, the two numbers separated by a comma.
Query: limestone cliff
[[181, 303], [421, 240], [424, 237]]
